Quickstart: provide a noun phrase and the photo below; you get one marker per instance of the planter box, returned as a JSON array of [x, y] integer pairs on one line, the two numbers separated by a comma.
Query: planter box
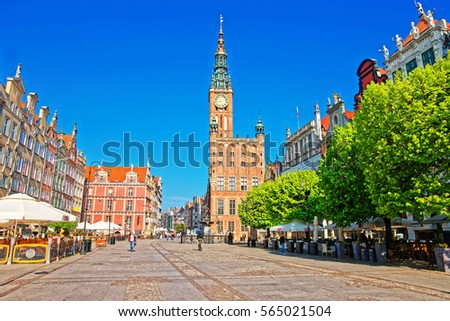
[[365, 254], [447, 260], [442, 259], [306, 248], [357, 251], [313, 248], [380, 251], [372, 255], [291, 246], [275, 245], [340, 250], [299, 247]]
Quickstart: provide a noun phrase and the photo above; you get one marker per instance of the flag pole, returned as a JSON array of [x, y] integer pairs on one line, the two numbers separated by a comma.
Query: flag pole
[[298, 119]]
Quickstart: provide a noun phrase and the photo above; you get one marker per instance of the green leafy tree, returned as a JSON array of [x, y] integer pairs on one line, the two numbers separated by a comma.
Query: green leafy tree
[[341, 179], [180, 227], [278, 202], [66, 227], [253, 210], [403, 134], [288, 199]]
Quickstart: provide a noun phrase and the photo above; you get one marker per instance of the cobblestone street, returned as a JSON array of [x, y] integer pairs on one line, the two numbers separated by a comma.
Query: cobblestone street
[[167, 270]]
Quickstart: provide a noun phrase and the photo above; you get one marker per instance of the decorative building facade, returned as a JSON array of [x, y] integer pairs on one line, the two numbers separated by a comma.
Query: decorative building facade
[[27, 143], [79, 183], [305, 148], [65, 171], [336, 116], [427, 40], [302, 149], [34, 159], [121, 195], [236, 164], [272, 171], [367, 72]]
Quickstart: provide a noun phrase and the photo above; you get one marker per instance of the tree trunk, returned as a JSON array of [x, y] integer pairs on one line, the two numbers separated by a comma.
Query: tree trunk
[[387, 224], [341, 234]]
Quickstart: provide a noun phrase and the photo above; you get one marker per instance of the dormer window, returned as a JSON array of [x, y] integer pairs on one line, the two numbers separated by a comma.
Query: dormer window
[[131, 177]]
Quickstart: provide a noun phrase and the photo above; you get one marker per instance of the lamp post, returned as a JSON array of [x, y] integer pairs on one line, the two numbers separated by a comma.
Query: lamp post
[[87, 183], [147, 223], [111, 198]]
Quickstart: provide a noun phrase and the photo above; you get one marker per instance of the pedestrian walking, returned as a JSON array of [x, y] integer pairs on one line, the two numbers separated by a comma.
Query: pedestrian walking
[[132, 240], [282, 244]]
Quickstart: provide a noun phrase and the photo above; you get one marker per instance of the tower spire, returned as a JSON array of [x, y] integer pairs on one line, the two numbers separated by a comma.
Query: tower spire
[[221, 42], [220, 77], [259, 128]]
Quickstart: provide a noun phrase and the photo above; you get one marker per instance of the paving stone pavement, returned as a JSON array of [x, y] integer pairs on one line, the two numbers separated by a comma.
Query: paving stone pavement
[[162, 270]]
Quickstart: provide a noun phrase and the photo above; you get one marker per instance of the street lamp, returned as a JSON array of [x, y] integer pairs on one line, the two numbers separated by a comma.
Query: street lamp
[[87, 181], [111, 195]]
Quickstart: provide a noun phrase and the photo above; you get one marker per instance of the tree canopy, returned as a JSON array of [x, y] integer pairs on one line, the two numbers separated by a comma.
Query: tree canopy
[[403, 134], [341, 179], [279, 202]]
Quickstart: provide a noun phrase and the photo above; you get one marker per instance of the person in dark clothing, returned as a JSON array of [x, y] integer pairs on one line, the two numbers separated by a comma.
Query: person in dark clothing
[[230, 238], [282, 244]]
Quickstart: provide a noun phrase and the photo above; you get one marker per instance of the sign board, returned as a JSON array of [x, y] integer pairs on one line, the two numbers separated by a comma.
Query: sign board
[[4, 253], [30, 253]]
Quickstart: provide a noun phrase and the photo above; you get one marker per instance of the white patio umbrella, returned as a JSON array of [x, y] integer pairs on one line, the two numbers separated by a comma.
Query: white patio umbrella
[[276, 228], [437, 219], [4, 222], [402, 222], [25, 209], [330, 227], [295, 226], [374, 223], [80, 226], [104, 226], [395, 222], [352, 227], [67, 216]]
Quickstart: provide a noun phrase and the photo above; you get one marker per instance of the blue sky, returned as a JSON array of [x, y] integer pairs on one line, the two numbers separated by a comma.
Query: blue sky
[[141, 69]]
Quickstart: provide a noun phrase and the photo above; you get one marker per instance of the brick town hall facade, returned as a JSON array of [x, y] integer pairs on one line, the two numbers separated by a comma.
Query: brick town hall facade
[[236, 164]]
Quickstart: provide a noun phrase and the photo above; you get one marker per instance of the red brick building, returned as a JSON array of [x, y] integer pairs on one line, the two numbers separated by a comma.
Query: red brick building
[[124, 195], [236, 163]]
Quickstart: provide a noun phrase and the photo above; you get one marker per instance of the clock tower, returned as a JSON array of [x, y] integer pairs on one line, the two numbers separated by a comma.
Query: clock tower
[[221, 92], [236, 164]]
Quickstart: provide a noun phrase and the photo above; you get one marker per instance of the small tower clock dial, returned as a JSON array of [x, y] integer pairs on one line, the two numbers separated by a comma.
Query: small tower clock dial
[[221, 101]]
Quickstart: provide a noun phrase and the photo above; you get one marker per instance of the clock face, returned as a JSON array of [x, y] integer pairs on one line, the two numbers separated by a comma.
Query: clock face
[[221, 101]]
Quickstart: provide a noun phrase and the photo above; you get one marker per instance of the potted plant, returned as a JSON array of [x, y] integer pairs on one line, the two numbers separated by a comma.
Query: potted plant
[[380, 251], [340, 250], [439, 250], [356, 250]]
